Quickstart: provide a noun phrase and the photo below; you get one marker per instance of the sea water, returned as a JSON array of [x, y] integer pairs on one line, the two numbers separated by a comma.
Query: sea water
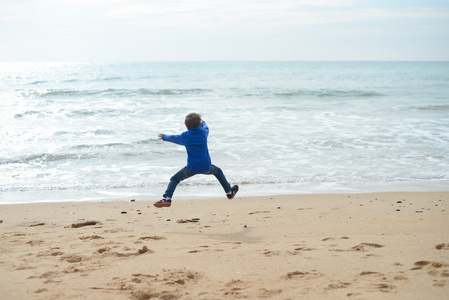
[[85, 131]]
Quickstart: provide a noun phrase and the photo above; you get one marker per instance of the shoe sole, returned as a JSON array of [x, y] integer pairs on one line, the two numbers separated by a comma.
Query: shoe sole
[[159, 205]]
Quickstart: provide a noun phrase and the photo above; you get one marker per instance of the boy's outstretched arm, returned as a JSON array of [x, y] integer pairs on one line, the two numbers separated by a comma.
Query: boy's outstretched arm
[[177, 139], [204, 125]]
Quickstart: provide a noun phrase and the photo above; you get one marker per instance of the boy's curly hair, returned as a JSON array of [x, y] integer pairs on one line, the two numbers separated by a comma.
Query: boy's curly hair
[[193, 120]]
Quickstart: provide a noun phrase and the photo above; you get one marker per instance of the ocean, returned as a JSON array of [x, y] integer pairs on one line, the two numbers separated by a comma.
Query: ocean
[[88, 131]]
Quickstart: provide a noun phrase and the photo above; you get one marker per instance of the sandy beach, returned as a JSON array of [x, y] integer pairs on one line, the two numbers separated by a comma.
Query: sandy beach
[[333, 246]]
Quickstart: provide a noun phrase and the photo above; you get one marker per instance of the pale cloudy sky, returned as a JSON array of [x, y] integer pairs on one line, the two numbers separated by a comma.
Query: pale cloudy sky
[[155, 30]]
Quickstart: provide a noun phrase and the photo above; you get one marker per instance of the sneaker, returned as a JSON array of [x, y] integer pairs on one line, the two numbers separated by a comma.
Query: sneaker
[[234, 191], [163, 203]]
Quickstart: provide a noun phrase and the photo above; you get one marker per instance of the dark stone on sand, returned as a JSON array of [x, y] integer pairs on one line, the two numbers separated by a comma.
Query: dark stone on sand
[[89, 223], [194, 220], [144, 250], [124, 212], [133, 200]]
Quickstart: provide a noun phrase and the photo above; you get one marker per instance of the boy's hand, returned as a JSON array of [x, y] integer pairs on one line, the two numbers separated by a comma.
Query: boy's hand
[[160, 135]]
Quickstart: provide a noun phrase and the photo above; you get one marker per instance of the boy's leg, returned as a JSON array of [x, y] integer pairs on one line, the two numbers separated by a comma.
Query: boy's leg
[[218, 173], [182, 174]]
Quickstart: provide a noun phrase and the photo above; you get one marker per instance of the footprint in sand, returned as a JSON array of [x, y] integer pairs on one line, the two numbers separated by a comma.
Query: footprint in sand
[[384, 287], [331, 238], [433, 268], [234, 288], [35, 242], [153, 238], [264, 293], [50, 277], [424, 263], [442, 246], [338, 285], [142, 295], [106, 252], [362, 247], [259, 212], [439, 283], [203, 250], [91, 237], [26, 267], [197, 251], [371, 273], [73, 258], [295, 274], [304, 249], [237, 243], [269, 253], [50, 253], [298, 250], [169, 285]]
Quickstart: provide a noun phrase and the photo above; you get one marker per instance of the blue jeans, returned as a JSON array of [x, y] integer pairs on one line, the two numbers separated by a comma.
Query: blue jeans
[[184, 173]]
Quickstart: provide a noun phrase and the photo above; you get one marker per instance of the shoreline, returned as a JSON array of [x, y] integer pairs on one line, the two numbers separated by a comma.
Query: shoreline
[[186, 191], [389, 245]]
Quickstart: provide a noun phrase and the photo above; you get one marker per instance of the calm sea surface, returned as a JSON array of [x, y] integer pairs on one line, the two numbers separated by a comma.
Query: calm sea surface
[[85, 131]]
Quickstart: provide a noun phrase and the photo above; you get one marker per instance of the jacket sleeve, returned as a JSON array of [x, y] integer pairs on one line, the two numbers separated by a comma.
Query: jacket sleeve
[[204, 125], [177, 139]]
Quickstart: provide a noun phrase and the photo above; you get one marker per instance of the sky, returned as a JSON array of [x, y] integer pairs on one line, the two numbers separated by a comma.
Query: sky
[[223, 30]]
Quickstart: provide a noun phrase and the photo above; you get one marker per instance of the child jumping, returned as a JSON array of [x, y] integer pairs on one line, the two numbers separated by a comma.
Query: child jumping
[[198, 159]]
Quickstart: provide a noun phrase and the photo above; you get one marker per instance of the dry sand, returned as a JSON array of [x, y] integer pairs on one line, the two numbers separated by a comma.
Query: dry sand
[[343, 246]]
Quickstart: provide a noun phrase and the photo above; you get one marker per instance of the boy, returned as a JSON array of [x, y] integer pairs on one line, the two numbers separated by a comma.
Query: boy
[[198, 159]]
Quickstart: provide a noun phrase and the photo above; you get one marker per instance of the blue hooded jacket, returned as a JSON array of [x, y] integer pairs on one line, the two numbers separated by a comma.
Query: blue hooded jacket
[[195, 141]]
